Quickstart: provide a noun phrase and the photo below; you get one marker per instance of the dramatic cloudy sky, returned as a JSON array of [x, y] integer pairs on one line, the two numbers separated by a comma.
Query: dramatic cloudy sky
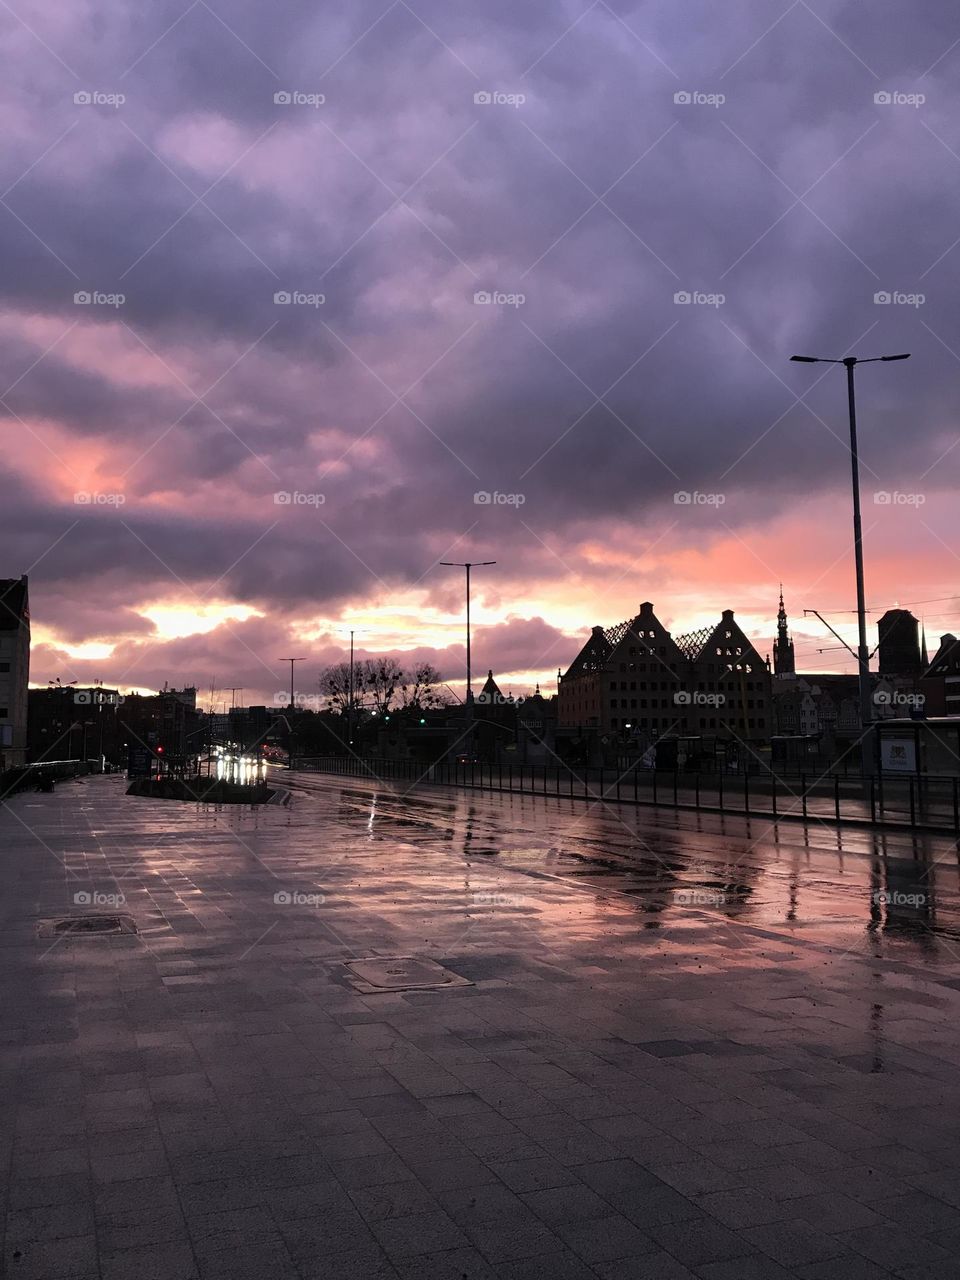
[[386, 163]]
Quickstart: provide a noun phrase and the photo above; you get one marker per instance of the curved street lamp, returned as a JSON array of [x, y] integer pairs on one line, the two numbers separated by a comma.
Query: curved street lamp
[[863, 655]]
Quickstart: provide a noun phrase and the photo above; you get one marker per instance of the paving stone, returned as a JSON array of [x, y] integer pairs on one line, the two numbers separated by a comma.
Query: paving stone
[[448, 1175], [700, 1241], [52, 1259], [155, 1262], [489, 1203], [604, 1239], [534, 1175], [508, 1242], [846, 1268], [650, 1266], [916, 1211], [394, 1200], [370, 1171], [50, 1222], [753, 1267], [698, 1177], [36, 1193], [893, 1246], [417, 1234], [553, 1266], [558, 1205], [794, 1242], [452, 1264], [746, 1208]]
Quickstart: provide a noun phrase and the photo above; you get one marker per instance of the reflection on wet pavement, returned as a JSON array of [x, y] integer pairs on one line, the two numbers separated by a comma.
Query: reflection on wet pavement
[[830, 884], [691, 1045]]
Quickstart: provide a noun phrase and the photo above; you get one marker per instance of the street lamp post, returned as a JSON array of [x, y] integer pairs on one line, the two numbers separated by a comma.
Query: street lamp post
[[290, 722], [350, 700], [863, 653], [468, 565]]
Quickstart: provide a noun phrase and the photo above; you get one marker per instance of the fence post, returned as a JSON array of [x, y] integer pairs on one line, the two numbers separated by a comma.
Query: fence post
[[746, 790], [720, 787], [836, 794], [654, 784], [676, 774], [698, 790], [803, 793], [913, 806], [773, 791], [956, 804]]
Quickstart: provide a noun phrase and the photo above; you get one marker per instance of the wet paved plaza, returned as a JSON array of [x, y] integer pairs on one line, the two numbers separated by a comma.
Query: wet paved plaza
[[689, 1046]]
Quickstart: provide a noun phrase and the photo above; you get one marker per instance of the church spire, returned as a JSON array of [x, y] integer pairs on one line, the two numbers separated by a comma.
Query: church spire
[[783, 659], [924, 660]]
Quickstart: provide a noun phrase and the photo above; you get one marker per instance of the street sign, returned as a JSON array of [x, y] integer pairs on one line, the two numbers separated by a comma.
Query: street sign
[[899, 755]]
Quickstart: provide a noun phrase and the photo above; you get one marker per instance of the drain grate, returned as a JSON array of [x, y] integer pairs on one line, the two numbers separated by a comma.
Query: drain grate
[[401, 973], [87, 926]]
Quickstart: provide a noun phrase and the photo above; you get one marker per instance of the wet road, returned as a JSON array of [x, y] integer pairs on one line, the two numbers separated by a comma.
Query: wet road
[[880, 893]]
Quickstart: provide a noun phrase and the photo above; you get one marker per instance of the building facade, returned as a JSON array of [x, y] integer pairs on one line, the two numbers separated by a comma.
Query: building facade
[[67, 722], [14, 670], [636, 680], [940, 684]]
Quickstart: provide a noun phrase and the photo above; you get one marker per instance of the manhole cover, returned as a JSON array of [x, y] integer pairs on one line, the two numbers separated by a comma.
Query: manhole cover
[[401, 973], [87, 926]]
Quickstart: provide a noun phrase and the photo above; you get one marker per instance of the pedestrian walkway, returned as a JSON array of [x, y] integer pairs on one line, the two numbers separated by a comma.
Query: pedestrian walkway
[[629, 1085]]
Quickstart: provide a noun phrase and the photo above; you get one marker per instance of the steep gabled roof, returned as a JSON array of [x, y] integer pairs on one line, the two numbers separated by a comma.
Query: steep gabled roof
[[727, 644], [491, 690], [946, 661], [592, 656], [645, 629]]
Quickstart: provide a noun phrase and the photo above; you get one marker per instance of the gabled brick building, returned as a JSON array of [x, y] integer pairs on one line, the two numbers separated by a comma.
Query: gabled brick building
[[940, 684], [635, 679]]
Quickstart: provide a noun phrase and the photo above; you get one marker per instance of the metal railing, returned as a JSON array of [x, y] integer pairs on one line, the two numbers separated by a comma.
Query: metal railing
[[922, 803]]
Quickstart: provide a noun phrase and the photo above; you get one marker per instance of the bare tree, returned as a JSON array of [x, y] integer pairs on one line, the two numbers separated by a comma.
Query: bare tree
[[381, 679], [335, 685], [420, 688], [382, 685]]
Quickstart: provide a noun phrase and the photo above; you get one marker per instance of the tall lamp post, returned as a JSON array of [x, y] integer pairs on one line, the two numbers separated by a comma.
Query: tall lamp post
[[290, 721], [350, 698], [863, 653], [468, 565]]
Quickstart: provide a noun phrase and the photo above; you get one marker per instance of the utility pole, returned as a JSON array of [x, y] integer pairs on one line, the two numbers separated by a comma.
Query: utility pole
[[863, 655], [468, 565]]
